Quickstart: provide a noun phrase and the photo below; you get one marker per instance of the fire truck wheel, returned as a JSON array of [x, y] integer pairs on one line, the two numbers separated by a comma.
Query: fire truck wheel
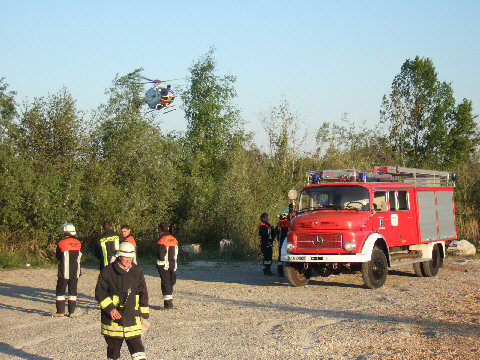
[[374, 272], [417, 268], [430, 268], [296, 274]]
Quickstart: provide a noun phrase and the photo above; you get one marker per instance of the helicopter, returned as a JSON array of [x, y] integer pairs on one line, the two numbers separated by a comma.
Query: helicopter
[[159, 97]]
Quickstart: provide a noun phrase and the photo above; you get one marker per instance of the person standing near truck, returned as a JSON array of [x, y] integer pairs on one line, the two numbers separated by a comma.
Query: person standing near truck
[[107, 245], [282, 230], [266, 235], [68, 254]]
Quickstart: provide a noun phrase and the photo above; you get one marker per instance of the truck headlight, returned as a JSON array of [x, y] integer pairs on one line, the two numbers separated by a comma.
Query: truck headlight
[[350, 246], [289, 247]]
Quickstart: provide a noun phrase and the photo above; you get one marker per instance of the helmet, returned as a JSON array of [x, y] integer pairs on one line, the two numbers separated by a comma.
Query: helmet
[[284, 213], [69, 228], [126, 249]]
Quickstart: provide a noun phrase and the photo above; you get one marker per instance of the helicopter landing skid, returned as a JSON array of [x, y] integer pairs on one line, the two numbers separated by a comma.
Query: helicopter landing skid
[[169, 109], [164, 110]]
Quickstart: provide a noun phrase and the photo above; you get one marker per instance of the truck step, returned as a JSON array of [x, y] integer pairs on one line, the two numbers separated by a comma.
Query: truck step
[[407, 262]]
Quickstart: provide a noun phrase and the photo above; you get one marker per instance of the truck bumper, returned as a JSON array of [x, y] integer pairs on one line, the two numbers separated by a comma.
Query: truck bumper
[[327, 258]]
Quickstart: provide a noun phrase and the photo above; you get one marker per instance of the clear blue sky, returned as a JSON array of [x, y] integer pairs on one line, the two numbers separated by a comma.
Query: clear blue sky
[[326, 57]]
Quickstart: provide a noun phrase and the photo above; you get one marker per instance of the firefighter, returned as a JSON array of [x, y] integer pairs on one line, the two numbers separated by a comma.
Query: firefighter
[[282, 230], [167, 252], [68, 254], [266, 235], [125, 229], [122, 294], [107, 245]]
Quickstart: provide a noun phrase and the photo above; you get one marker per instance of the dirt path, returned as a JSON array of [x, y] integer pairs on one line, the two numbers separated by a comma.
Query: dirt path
[[232, 311]]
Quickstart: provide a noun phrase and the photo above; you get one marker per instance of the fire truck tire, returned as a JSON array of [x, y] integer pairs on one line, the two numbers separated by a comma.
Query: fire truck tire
[[430, 268], [296, 274], [374, 272], [417, 268]]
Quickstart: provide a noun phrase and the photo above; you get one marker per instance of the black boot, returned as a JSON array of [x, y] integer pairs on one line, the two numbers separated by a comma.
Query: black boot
[[71, 307], [60, 304], [168, 304], [280, 270], [267, 271]]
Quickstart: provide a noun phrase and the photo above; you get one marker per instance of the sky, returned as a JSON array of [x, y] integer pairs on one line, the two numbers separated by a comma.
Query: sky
[[326, 58]]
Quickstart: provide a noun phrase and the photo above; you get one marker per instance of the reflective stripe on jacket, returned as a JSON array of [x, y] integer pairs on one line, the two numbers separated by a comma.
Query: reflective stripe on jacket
[[69, 254], [265, 232], [107, 247], [167, 252]]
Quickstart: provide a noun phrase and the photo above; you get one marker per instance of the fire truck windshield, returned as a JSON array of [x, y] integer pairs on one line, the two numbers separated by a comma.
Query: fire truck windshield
[[334, 197]]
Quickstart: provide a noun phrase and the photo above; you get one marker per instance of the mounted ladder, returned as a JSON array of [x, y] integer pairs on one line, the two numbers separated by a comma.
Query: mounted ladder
[[418, 177]]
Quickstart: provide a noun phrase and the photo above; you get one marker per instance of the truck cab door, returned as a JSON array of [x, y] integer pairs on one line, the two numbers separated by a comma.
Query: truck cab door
[[406, 228], [381, 215]]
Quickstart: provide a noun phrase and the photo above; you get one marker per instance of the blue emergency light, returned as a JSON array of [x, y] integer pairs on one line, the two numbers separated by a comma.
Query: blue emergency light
[[315, 178], [362, 176]]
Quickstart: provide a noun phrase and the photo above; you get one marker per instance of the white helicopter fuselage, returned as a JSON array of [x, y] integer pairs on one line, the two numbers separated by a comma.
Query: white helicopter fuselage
[[159, 97]]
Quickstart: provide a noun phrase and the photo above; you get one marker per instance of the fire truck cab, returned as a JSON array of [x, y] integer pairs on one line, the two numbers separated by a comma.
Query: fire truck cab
[[346, 220]]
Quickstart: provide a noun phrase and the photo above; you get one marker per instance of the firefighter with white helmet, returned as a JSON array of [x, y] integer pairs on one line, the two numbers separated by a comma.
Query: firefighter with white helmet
[[122, 293], [68, 254]]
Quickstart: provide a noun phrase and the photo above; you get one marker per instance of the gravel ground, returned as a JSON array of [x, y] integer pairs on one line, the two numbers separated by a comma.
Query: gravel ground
[[233, 311]]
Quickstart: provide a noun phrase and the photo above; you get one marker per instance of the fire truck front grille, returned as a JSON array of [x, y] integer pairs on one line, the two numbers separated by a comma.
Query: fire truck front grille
[[317, 241]]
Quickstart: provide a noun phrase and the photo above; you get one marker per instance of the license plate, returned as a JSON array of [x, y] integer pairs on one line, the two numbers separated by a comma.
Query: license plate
[[296, 258]]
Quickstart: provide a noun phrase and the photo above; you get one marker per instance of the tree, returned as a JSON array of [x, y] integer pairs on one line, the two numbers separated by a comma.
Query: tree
[[211, 116], [44, 175], [7, 108], [134, 165], [283, 126], [421, 114], [213, 136], [51, 130], [11, 169], [463, 135], [348, 146]]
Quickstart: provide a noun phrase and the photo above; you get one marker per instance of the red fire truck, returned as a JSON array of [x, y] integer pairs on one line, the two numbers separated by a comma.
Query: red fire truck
[[369, 222]]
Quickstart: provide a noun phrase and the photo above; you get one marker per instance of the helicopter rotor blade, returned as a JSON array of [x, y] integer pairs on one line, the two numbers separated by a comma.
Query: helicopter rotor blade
[[145, 78], [152, 81], [157, 81], [173, 80]]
